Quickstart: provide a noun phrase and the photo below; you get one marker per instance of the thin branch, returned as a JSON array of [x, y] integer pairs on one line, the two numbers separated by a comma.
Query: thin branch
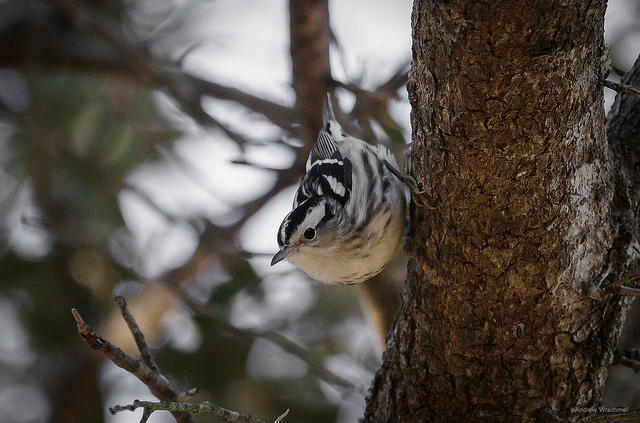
[[622, 287], [252, 207], [627, 290], [136, 332], [383, 92], [147, 371], [628, 358], [243, 161], [619, 88], [205, 408], [609, 417], [397, 80], [192, 88], [155, 381], [598, 414], [316, 366], [158, 385]]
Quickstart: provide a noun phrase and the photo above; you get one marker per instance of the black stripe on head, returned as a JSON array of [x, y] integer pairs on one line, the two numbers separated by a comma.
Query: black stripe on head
[[294, 219]]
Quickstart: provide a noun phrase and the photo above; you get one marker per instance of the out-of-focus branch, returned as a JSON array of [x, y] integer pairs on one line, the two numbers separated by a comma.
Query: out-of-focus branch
[[373, 105], [628, 358], [383, 92], [623, 134], [315, 366], [185, 88], [309, 49], [191, 88], [619, 88]]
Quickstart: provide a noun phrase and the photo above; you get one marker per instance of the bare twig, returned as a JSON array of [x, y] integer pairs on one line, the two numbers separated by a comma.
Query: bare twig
[[619, 88], [136, 332], [383, 92], [155, 381], [622, 287], [628, 358], [158, 384], [609, 417], [147, 371], [206, 408]]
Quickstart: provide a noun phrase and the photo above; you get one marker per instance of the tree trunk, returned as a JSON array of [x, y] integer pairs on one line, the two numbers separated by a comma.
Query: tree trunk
[[504, 314]]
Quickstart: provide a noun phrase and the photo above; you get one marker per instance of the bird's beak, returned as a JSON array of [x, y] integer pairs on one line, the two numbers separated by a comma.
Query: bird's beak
[[281, 254]]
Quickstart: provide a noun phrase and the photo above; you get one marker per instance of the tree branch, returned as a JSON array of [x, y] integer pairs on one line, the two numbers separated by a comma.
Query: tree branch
[[623, 136], [628, 358], [205, 408], [609, 417], [622, 287], [136, 332], [185, 88], [155, 381], [315, 366], [147, 371], [309, 48], [619, 88], [598, 414]]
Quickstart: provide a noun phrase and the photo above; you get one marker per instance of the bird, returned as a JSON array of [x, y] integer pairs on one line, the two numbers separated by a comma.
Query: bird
[[348, 214]]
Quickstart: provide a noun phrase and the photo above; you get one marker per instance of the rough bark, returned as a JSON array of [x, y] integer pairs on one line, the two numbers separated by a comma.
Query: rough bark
[[504, 316]]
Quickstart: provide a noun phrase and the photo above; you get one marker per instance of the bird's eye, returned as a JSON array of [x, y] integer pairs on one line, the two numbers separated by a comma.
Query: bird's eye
[[310, 233]]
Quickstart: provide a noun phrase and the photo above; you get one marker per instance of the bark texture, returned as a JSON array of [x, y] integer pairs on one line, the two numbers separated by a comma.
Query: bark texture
[[503, 316]]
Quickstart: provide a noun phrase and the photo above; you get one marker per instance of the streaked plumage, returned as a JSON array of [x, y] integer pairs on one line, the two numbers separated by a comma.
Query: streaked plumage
[[348, 214]]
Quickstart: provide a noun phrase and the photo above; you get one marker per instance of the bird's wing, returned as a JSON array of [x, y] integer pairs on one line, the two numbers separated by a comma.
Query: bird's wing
[[328, 173]]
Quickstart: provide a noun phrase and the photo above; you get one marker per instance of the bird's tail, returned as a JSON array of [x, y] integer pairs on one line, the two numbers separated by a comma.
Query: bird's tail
[[327, 111]]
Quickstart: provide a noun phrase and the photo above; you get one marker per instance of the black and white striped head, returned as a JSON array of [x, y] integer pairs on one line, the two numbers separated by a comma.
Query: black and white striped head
[[304, 228]]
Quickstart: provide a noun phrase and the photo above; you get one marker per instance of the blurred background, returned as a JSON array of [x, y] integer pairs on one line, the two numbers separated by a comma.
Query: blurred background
[[150, 149]]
